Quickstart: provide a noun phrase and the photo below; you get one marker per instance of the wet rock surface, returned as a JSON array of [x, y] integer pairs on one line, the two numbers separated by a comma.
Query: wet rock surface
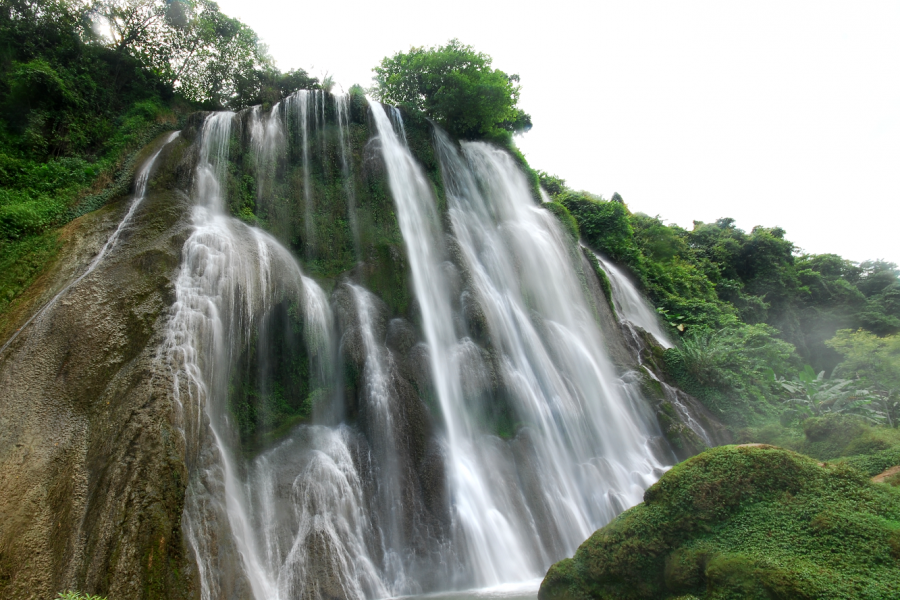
[[91, 456]]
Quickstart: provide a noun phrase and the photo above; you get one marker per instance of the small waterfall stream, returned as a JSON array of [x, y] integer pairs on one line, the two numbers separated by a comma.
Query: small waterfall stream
[[631, 305], [141, 179], [342, 112], [536, 441], [633, 309]]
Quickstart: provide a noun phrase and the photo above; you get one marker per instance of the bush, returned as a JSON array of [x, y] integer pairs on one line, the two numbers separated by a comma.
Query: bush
[[604, 225], [732, 370]]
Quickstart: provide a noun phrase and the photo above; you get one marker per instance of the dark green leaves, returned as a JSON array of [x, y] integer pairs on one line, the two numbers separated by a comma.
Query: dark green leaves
[[455, 86]]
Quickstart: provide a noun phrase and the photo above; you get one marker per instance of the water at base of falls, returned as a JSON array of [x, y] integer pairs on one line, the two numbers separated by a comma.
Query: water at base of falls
[[537, 441]]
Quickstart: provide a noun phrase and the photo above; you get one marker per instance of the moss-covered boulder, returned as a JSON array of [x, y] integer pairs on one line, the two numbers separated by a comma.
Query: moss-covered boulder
[[744, 522]]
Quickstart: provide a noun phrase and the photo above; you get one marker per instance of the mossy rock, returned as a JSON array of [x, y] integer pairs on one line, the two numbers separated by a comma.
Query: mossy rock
[[682, 439], [744, 522]]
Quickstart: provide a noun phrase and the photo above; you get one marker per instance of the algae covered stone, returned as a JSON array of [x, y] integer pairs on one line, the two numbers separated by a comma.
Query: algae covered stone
[[744, 522]]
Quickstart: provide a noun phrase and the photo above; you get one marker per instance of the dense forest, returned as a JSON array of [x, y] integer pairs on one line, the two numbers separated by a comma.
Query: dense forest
[[795, 350]]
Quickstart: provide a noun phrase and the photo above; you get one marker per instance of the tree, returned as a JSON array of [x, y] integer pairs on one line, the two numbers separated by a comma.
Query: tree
[[873, 361], [195, 49], [455, 86]]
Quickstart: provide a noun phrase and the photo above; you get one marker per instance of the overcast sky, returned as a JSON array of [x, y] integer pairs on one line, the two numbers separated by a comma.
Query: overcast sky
[[774, 113]]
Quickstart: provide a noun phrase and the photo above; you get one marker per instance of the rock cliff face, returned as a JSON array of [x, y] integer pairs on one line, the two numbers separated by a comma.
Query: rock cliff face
[[92, 473], [102, 460]]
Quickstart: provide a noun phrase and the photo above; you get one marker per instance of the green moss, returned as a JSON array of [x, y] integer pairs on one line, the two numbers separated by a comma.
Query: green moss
[[565, 218], [274, 386], [602, 278], [743, 522], [682, 439], [21, 261]]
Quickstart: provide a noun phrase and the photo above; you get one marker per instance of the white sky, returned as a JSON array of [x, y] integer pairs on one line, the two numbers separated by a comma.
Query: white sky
[[779, 113]]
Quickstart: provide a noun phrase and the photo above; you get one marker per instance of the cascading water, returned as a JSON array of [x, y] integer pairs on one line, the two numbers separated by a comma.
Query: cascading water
[[342, 114], [582, 441], [140, 191], [631, 305], [633, 309], [231, 276], [538, 442], [267, 138], [298, 104], [378, 398]]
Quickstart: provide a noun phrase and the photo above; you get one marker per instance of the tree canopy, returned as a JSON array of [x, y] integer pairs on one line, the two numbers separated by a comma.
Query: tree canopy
[[456, 87]]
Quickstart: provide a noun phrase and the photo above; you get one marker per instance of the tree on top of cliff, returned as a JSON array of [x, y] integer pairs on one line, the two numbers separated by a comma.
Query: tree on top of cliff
[[456, 87]]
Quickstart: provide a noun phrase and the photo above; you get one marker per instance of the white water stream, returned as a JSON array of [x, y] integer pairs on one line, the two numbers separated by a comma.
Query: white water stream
[[633, 309], [631, 305], [583, 443]]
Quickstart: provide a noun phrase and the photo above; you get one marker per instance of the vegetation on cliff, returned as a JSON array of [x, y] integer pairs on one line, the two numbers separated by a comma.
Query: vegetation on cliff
[[84, 87], [750, 313], [456, 87], [744, 522]]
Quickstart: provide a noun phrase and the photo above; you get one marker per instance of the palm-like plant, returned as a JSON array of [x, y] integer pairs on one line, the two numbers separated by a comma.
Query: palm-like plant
[[71, 595], [813, 395]]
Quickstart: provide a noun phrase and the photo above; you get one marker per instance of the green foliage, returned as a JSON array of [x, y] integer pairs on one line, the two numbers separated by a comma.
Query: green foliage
[[744, 522], [21, 261], [456, 87], [732, 370], [874, 463], [568, 222], [604, 225], [85, 86], [814, 395], [712, 282], [553, 185], [196, 50], [70, 595], [830, 437], [874, 363]]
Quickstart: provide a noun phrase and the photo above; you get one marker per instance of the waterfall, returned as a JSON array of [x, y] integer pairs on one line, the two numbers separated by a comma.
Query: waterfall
[[535, 441], [633, 309], [141, 179], [342, 114], [298, 103], [583, 450], [378, 397], [266, 139], [230, 278], [631, 305]]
